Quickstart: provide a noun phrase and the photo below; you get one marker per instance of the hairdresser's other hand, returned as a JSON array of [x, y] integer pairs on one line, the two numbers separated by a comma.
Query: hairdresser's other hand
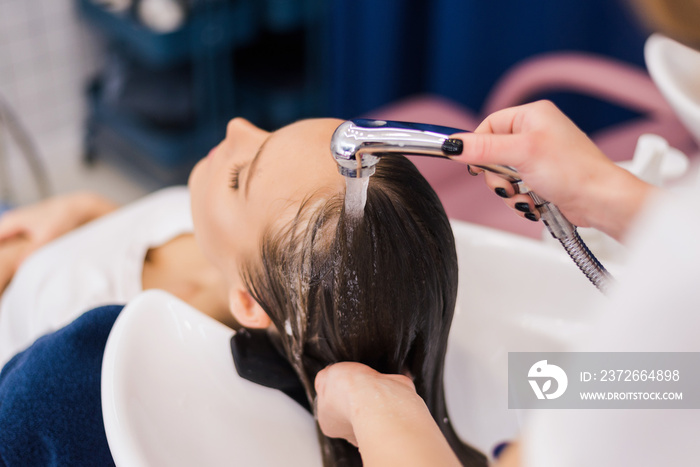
[[41, 222], [381, 414], [557, 161]]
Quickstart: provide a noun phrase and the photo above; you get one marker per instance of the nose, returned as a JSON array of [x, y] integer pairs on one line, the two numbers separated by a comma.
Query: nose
[[240, 126]]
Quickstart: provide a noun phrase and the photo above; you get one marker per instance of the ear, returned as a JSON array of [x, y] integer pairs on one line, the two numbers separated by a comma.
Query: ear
[[246, 310]]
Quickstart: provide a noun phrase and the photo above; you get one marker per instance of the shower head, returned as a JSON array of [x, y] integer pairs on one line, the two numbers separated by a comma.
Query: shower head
[[357, 145]]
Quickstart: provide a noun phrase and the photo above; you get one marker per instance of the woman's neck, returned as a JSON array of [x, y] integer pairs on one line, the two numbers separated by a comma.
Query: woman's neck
[[179, 267]]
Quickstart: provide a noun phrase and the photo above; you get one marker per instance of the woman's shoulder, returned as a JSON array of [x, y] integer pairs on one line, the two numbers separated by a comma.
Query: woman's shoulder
[[173, 194], [174, 199], [160, 215], [141, 224], [100, 262]]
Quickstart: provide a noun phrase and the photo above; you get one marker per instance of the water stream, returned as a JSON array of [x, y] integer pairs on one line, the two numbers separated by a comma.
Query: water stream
[[355, 195]]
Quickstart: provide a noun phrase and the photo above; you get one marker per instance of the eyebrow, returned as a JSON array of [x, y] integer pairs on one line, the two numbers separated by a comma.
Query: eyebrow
[[254, 164]]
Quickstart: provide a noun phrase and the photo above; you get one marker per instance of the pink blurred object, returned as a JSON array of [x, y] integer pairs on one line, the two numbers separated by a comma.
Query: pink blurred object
[[467, 198]]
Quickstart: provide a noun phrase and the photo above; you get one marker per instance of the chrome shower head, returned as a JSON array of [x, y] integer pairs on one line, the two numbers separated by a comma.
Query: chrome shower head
[[357, 145]]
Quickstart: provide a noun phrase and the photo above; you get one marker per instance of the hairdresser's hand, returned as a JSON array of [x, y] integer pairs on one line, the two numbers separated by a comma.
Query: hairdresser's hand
[[381, 414], [46, 220], [343, 391], [557, 161]]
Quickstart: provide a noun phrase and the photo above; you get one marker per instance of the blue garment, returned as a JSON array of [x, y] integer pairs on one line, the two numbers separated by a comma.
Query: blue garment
[[50, 399]]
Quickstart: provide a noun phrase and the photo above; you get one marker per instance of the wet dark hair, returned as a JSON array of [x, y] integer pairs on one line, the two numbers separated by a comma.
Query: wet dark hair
[[378, 289]]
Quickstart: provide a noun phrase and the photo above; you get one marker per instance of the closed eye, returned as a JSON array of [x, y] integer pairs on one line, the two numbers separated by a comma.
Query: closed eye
[[235, 173]]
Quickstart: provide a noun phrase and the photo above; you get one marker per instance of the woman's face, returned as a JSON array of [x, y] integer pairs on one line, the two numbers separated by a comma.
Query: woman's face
[[254, 179]]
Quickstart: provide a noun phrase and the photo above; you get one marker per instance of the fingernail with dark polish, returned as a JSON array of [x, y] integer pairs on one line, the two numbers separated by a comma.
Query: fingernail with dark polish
[[522, 207], [501, 192], [499, 448], [531, 216], [452, 147]]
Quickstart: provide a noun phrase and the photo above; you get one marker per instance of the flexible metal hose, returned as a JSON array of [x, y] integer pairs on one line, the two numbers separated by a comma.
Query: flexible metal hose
[[587, 262], [567, 234]]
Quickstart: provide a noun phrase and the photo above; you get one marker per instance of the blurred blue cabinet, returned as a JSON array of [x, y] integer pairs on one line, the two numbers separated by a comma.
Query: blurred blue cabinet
[[254, 58]]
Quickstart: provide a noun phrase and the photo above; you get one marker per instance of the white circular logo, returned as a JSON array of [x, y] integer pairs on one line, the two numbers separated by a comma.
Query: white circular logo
[[541, 371]]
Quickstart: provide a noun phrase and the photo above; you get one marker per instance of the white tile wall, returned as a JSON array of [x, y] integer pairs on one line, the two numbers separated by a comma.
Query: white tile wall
[[46, 57]]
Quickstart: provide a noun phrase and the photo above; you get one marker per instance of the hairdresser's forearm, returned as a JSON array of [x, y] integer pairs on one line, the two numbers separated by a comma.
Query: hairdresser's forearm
[[614, 205], [398, 430]]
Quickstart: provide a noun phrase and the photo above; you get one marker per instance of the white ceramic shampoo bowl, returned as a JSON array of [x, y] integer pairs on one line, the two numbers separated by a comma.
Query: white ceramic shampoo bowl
[[171, 395], [675, 69]]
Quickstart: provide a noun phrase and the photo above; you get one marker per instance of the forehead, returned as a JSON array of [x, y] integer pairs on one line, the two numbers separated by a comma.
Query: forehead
[[296, 162]]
